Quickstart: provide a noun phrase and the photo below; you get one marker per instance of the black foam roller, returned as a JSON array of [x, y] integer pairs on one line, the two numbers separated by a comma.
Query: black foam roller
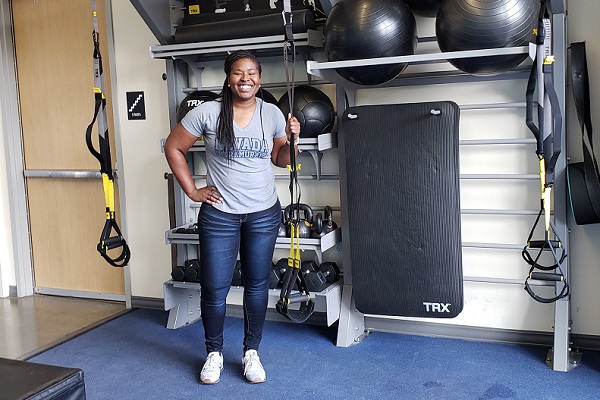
[[262, 25]]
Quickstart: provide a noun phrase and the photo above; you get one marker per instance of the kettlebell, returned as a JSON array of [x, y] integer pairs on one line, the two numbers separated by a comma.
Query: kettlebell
[[282, 227], [304, 223], [328, 222], [322, 225]]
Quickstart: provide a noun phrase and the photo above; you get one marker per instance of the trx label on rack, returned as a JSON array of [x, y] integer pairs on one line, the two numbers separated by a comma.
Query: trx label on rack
[[108, 240]]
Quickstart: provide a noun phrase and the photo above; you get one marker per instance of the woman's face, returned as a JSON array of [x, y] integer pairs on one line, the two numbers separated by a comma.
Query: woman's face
[[244, 79]]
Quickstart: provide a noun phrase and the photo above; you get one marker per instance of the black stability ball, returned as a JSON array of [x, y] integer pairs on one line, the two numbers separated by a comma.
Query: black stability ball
[[357, 29], [266, 96], [312, 107], [424, 8], [484, 24], [192, 100]]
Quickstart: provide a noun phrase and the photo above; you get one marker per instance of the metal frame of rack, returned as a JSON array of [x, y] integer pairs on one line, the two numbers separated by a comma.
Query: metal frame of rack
[[182, 299], [354, 326]]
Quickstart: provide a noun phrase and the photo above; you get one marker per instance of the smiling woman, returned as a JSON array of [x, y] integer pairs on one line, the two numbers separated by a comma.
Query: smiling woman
[[240, 212]]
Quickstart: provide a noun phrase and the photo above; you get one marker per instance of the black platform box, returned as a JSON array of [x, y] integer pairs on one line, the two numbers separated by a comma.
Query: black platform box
[[25, 380]]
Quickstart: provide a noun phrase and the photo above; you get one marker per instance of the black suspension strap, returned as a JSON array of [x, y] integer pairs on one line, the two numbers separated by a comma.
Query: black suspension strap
[[584, 191], [548, 137], [116, 241], [288, 298]]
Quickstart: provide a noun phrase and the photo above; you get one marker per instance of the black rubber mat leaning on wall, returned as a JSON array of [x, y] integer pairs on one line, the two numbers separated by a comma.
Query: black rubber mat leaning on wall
[[402, 165]]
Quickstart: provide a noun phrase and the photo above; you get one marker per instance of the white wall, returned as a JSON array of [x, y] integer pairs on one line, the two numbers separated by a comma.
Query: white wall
[[143, 188]]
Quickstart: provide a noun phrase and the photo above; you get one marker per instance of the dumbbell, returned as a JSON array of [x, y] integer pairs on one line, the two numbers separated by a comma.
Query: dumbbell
[[192, 270], [177, 273], [321, 278], [277, 273], [193, 229], [237, 279], [308, 267]]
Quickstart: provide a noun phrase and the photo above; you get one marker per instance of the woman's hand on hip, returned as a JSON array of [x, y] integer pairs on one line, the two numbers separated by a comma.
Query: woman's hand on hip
[[207, 194]]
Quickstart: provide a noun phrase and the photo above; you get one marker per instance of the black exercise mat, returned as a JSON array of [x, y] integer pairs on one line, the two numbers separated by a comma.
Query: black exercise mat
[[27, 380], [403, 194]]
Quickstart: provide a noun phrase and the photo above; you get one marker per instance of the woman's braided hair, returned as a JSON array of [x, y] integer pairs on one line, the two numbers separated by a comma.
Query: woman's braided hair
[[225, 134]]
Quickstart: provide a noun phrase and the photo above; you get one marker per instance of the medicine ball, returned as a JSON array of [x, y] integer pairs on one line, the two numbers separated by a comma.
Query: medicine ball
[[486, 24], [357, 29], [313, 109], [192, 100], [266, 96], [424, 8]]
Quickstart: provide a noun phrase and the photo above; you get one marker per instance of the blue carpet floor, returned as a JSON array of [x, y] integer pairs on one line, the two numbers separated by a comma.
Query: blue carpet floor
[[136, 357]]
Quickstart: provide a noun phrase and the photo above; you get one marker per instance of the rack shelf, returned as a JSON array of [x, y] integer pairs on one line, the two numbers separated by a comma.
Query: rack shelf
[[326, 70], [218, 50], [313, 146], [319, 245], [182, 300]]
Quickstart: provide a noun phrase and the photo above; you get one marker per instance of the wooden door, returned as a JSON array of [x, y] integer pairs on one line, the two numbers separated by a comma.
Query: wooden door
[[54, 48]]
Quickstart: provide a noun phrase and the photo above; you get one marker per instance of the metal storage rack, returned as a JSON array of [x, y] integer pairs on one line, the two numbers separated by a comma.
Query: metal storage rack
[[182, 299], [161, 17], [353, 325]]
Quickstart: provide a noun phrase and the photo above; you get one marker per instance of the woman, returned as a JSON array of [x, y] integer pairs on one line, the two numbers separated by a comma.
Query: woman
[[240, 210]]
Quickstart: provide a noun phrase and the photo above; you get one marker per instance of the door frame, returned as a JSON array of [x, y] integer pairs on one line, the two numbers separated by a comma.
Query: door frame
[[11, 130]]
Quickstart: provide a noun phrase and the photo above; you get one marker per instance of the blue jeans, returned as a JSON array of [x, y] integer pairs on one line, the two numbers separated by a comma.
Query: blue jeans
[[222, 237]]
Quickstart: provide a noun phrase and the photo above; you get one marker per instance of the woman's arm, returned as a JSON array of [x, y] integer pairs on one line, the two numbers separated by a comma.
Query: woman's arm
[[176, 146], [280, 155]]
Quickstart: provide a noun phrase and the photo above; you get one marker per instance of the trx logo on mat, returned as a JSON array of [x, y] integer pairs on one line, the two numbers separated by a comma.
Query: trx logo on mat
[[437, 307]]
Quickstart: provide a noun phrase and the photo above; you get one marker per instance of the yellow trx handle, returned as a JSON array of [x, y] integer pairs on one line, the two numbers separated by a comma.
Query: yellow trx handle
[[109, 196], [546, 194], [97, 90], [298, 168], [294, 257]]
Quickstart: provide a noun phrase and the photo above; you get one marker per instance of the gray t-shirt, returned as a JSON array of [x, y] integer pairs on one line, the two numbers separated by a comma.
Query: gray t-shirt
[[246, 182]]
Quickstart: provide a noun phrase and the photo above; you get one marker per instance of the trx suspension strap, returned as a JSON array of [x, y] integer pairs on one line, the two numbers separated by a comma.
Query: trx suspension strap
[[288, 301], [107, 242], [548, 136], [584, 177]]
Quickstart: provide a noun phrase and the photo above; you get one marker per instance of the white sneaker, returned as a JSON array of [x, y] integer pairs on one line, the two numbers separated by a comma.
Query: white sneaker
[[253, 369], [211, 371]]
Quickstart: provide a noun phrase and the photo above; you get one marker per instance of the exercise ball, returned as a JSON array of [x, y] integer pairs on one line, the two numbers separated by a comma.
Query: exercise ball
[[485, 24], [356, 29], [266, 96], [192, 100], [424, 8], [313, 109]]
